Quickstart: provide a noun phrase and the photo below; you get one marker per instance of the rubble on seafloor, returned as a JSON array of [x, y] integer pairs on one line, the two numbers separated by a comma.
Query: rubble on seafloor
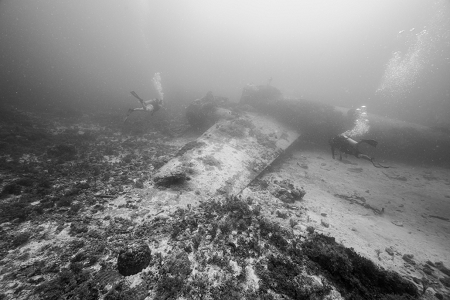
[[57, 242], [221, 250]]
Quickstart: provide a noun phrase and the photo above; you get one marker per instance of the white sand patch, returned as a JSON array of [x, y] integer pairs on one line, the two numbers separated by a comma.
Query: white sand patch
[[252, 282], [413, 199], [162, 246], [134, 280]]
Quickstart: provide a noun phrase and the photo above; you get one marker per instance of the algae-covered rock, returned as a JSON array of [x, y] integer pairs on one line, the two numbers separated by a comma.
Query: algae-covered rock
[[286, 191], [133, 259]]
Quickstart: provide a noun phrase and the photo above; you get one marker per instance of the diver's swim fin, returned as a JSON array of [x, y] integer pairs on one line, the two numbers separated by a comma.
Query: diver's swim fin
[[136, 95], [372, 143], [378, 165]]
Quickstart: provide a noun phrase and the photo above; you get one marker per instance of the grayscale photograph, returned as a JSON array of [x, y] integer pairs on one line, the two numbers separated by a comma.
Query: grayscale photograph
[[225, 149]]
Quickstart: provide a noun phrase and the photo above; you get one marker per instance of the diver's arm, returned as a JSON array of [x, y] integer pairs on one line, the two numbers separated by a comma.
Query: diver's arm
[[352, 142], [134, 109]]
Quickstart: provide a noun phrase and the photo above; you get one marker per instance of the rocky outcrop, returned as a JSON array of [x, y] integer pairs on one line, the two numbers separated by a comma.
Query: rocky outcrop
[[204, 112], [286, 191], [133, 259]]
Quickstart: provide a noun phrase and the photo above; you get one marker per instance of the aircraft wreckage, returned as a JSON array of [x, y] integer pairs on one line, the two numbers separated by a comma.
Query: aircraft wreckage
[[245, 138]]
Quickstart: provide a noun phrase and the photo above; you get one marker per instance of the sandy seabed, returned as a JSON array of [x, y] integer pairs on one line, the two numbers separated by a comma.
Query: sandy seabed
[[404, 208]]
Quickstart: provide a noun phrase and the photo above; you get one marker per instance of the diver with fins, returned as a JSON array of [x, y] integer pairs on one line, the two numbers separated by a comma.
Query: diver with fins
[[348, 145], [152, 105]]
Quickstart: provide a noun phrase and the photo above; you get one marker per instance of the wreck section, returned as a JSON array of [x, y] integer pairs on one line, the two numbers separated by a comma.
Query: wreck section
[[225, 159], [318, 122]]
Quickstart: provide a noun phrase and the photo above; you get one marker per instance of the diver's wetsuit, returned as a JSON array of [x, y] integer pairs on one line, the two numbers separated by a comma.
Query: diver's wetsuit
[[155, 105], [345, 145]]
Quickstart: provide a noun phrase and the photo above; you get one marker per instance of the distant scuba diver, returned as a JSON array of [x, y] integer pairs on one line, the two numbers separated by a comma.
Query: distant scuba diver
[[152, 105], [348, 145]]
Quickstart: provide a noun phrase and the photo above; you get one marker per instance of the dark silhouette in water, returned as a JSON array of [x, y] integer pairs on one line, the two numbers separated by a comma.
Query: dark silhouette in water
[[152, 105], [204, 112], [348, 145]]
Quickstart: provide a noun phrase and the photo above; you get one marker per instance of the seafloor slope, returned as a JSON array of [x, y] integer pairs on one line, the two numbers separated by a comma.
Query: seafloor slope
[[71, 193]]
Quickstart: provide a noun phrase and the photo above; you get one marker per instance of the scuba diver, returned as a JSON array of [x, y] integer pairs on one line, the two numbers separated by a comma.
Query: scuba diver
[[345, 144], [152, 105], [348, 145]]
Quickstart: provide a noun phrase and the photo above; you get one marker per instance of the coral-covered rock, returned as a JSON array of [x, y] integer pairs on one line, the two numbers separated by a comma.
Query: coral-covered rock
[[178, 265], [133, 259], [445, 281], [286, 191], [78, 228], [409, 259]]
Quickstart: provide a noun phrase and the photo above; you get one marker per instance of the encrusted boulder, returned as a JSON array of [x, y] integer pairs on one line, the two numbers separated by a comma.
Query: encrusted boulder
[[133, 259], [286, 191]]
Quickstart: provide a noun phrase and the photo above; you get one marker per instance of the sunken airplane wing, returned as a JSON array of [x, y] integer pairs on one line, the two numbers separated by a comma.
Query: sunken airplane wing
[[225, 159]]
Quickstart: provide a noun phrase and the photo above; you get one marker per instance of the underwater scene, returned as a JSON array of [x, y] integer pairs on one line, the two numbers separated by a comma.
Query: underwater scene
[[231, 149]]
